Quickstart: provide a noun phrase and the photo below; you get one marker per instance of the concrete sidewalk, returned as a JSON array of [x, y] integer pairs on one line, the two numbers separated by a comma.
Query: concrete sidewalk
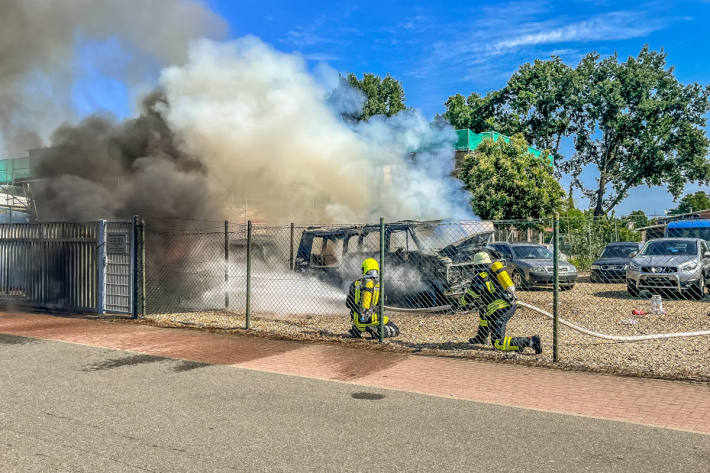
[[669, 404]]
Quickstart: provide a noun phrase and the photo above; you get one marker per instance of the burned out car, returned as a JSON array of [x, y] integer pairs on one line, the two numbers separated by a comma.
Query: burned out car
[[425, 262]]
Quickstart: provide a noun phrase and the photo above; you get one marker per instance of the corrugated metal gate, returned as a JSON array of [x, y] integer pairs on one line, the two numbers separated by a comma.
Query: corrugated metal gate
[[51, 265], [84, 267]]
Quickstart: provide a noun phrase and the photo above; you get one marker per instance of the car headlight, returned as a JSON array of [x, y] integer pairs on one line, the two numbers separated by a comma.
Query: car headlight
[[689, 266], [634, 267], [596, 266]]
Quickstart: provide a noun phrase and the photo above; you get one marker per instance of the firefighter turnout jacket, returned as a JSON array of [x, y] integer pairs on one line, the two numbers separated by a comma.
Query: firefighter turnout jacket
[[486, 291]]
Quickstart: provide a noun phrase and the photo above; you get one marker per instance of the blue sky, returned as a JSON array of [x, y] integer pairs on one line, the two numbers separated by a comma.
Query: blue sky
[[437, 49]]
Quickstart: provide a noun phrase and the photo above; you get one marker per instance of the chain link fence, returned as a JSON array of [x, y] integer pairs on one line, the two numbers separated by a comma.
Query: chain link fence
[[292, 281]]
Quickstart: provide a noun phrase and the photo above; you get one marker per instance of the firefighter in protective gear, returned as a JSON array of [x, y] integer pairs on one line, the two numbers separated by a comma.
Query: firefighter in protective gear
[[492, 291], [363, 296]]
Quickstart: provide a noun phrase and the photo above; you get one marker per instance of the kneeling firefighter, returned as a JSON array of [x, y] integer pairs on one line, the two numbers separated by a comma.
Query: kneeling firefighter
[[363, 296], [492, 291]]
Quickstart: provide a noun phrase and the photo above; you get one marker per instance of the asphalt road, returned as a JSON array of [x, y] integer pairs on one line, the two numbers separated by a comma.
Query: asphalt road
[[66, 407]]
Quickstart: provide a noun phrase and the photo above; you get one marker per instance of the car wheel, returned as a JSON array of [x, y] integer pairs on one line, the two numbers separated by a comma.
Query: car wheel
[[632, 290], [518, 280], [698, 292]]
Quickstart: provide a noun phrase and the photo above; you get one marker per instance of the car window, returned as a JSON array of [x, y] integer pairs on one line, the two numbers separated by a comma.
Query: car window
[[371, 242], [618, 251], [326, 251], [350, 244], [532, 252], [401, 239], [670, 248], [505, 251]]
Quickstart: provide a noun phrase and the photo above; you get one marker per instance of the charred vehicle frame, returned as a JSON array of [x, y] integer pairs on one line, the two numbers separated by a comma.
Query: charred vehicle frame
[[426, 263]]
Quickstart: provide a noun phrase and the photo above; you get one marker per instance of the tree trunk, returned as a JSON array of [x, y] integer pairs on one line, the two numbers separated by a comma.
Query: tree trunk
[[599, 209]]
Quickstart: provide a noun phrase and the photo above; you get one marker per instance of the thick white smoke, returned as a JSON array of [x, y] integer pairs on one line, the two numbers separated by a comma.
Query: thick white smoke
[[265, 128]]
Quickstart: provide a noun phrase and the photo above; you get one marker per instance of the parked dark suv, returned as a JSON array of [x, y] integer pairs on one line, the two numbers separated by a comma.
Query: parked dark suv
[[611, 265], [530, 265], [425, 262]]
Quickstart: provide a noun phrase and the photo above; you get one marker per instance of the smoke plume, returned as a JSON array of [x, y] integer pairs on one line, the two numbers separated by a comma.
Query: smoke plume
[[240, 123], [38, 49], [265, 128], [101, 168], [231, 125]]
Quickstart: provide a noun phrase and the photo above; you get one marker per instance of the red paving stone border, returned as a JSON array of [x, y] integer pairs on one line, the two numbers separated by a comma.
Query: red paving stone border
[[671, 404]]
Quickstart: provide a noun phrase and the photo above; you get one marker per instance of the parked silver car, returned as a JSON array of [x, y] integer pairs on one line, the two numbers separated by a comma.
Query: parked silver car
[[530, 264], [670, 264]]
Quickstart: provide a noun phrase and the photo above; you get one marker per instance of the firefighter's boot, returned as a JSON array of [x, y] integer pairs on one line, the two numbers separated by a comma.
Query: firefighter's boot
[[389, 330], [520, 342], [536, 344]]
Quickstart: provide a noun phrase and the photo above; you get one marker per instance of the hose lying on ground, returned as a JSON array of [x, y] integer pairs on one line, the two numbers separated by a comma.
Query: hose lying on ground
[[439, 308], [632, 338]]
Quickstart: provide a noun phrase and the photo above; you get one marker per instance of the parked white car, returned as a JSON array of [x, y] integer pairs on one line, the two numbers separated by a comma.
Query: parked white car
[[670, 264]]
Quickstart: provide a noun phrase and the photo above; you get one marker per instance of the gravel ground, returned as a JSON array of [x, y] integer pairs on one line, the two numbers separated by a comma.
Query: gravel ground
[[599, 307]]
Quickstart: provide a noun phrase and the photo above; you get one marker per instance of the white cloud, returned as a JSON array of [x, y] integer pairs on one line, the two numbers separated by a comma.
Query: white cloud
[[605, 27], [302, 37], [498, 39]]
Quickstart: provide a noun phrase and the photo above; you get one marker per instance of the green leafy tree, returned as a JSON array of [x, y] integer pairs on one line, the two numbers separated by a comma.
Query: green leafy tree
[[507, 182], [537, 101], [637, 124], [382, 96], [633, 121], [638, 218], [692, 202], [475, 112]]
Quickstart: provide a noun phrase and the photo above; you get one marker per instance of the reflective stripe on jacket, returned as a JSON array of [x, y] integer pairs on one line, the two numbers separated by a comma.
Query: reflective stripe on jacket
[[487, 293]]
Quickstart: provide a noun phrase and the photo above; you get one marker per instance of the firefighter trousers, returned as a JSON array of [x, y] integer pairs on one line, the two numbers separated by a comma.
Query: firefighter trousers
[[494, 325]]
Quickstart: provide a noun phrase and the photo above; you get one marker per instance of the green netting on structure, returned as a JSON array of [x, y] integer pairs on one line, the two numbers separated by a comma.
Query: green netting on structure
[[11, 169], [468, 141]]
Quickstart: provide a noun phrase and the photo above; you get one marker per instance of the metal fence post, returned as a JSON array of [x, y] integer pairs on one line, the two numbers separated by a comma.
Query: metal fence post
[[529, 230], [290, 260], [248, 302], [382, 280], [226, 264], [101, 266], [136, 262], [556, 288], [142, 255]]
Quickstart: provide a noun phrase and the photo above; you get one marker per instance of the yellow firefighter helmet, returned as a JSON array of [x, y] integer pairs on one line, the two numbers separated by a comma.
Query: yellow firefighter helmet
[[370, 264], [481, 257]]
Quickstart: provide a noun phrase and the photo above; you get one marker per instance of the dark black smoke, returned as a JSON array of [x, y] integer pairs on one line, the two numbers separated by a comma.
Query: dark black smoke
[[105, 169]]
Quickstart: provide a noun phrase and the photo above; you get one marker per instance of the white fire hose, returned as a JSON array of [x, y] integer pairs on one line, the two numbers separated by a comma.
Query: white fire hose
[[439, 308], [633, 338]]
